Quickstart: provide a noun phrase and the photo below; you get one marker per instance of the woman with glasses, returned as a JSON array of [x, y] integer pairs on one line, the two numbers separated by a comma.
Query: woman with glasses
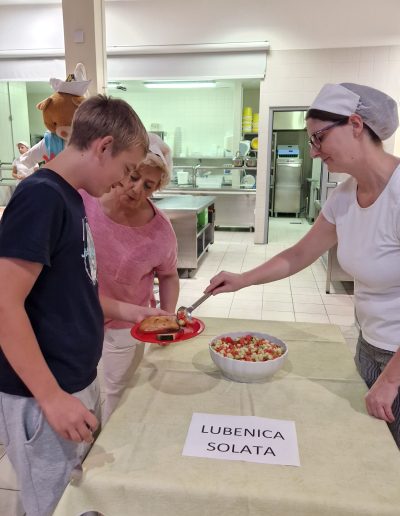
[[347, 124], [134, 242]]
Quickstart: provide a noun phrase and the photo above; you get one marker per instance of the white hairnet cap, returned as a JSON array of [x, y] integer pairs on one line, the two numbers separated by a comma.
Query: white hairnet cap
[[21, 142], [378, 110], [163, 151]]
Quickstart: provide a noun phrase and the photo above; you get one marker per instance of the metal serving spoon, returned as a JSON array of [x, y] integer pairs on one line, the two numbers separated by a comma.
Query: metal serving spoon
[[185, 313]]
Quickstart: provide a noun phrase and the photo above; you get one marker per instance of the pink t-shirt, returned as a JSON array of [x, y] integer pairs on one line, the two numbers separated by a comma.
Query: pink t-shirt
[[128, 257]]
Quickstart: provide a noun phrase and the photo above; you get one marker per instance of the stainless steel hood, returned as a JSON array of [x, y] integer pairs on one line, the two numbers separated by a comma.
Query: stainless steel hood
[[289, 120]]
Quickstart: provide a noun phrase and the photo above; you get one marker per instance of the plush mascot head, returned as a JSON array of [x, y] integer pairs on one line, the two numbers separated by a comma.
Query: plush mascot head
[[58, 111], [59, 108]]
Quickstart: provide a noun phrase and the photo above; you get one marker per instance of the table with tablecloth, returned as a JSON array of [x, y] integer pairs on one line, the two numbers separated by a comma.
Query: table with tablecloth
[[349, 461]]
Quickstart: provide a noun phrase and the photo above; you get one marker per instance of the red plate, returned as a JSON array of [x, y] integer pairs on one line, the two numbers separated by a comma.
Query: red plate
[[186, 332]]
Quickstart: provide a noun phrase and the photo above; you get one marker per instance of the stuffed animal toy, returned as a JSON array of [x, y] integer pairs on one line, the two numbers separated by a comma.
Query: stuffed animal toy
[[58, 111]]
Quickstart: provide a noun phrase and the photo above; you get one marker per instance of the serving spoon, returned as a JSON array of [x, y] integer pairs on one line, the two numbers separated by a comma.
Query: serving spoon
[[184, 313]]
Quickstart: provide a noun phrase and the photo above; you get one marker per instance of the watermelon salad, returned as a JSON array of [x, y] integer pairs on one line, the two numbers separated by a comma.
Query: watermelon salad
[[247, 348]]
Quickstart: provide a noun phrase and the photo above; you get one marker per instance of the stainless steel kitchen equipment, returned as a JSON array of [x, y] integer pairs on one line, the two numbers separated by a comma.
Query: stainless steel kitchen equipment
[[238, 161], [251, 161], [193, 240], [334, 272], [183, 176], [234, 202], [312, 195], [288, 180], [289, 120]]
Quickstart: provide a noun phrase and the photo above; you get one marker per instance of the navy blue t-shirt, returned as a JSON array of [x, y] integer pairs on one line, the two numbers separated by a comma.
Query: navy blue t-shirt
[[45, 222]]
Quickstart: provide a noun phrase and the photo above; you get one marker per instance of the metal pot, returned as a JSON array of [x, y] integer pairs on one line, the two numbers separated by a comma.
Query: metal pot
[[251, 162], [238, 161]]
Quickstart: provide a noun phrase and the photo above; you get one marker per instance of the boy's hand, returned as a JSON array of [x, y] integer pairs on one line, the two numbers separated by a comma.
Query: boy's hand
[[69, 417]]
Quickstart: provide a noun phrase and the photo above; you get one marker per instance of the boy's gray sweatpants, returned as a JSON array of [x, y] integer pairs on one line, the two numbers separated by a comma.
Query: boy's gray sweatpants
[[42, 459]]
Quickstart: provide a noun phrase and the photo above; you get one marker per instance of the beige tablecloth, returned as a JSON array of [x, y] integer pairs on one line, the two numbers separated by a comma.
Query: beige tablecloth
[[349, 462]]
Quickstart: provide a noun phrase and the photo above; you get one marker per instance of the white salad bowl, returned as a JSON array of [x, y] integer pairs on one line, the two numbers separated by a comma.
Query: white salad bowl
[[248, 372]]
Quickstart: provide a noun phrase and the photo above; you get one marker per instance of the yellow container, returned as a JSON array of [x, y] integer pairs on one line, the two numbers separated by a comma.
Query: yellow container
[[255, 117], [247, 111]]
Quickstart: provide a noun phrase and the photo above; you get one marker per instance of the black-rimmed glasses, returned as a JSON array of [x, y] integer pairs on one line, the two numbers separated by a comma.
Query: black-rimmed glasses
[[315, 141]]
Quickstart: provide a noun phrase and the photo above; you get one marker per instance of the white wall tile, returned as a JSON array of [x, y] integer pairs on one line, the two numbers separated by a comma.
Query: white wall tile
[[195, 121]]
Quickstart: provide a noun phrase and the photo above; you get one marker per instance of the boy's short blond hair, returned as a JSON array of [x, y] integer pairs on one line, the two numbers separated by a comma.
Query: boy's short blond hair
[[101, 116]]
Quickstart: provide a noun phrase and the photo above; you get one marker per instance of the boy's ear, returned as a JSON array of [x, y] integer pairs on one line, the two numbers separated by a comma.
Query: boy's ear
[[105, 143]]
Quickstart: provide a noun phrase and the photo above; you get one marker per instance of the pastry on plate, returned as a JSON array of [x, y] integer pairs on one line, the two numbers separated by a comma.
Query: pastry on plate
[[159, 324]]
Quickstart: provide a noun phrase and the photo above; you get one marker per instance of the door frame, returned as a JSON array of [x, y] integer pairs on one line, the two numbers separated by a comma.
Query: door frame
[[272, 111]]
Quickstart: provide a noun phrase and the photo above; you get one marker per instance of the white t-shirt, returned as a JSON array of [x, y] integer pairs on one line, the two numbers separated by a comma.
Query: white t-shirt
[[369, 250], [22, 169]]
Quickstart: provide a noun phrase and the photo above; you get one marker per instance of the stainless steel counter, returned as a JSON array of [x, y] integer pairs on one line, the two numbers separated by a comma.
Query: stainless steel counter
[[233, 207], [211, 191], [185, 202], [192, 218]]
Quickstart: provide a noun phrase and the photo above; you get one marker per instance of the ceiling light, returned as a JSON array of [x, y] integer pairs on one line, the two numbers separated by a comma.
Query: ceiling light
[[180, 84]]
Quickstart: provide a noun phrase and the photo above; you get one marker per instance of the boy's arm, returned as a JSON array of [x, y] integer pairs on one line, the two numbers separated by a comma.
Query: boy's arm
[[65, 413]]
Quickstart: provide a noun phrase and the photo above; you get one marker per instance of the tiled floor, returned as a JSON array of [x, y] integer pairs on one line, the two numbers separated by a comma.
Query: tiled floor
[[299, 298]]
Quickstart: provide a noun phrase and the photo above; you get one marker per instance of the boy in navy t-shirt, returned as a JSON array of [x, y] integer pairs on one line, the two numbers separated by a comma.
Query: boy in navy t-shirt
[[51, 330]]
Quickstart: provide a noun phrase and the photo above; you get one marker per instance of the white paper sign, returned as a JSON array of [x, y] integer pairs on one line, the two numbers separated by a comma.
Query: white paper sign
[[246, 438]]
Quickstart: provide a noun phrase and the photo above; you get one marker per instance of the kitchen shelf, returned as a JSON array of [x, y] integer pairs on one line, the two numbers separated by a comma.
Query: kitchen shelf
[[202, 229], [205, 237]]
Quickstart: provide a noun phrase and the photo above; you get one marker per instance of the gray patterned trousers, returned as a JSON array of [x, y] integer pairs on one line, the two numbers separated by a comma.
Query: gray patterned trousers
[[370, 362]]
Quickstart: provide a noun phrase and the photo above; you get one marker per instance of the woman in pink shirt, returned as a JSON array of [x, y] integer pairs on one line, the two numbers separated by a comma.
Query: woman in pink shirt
[[134, 242]]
